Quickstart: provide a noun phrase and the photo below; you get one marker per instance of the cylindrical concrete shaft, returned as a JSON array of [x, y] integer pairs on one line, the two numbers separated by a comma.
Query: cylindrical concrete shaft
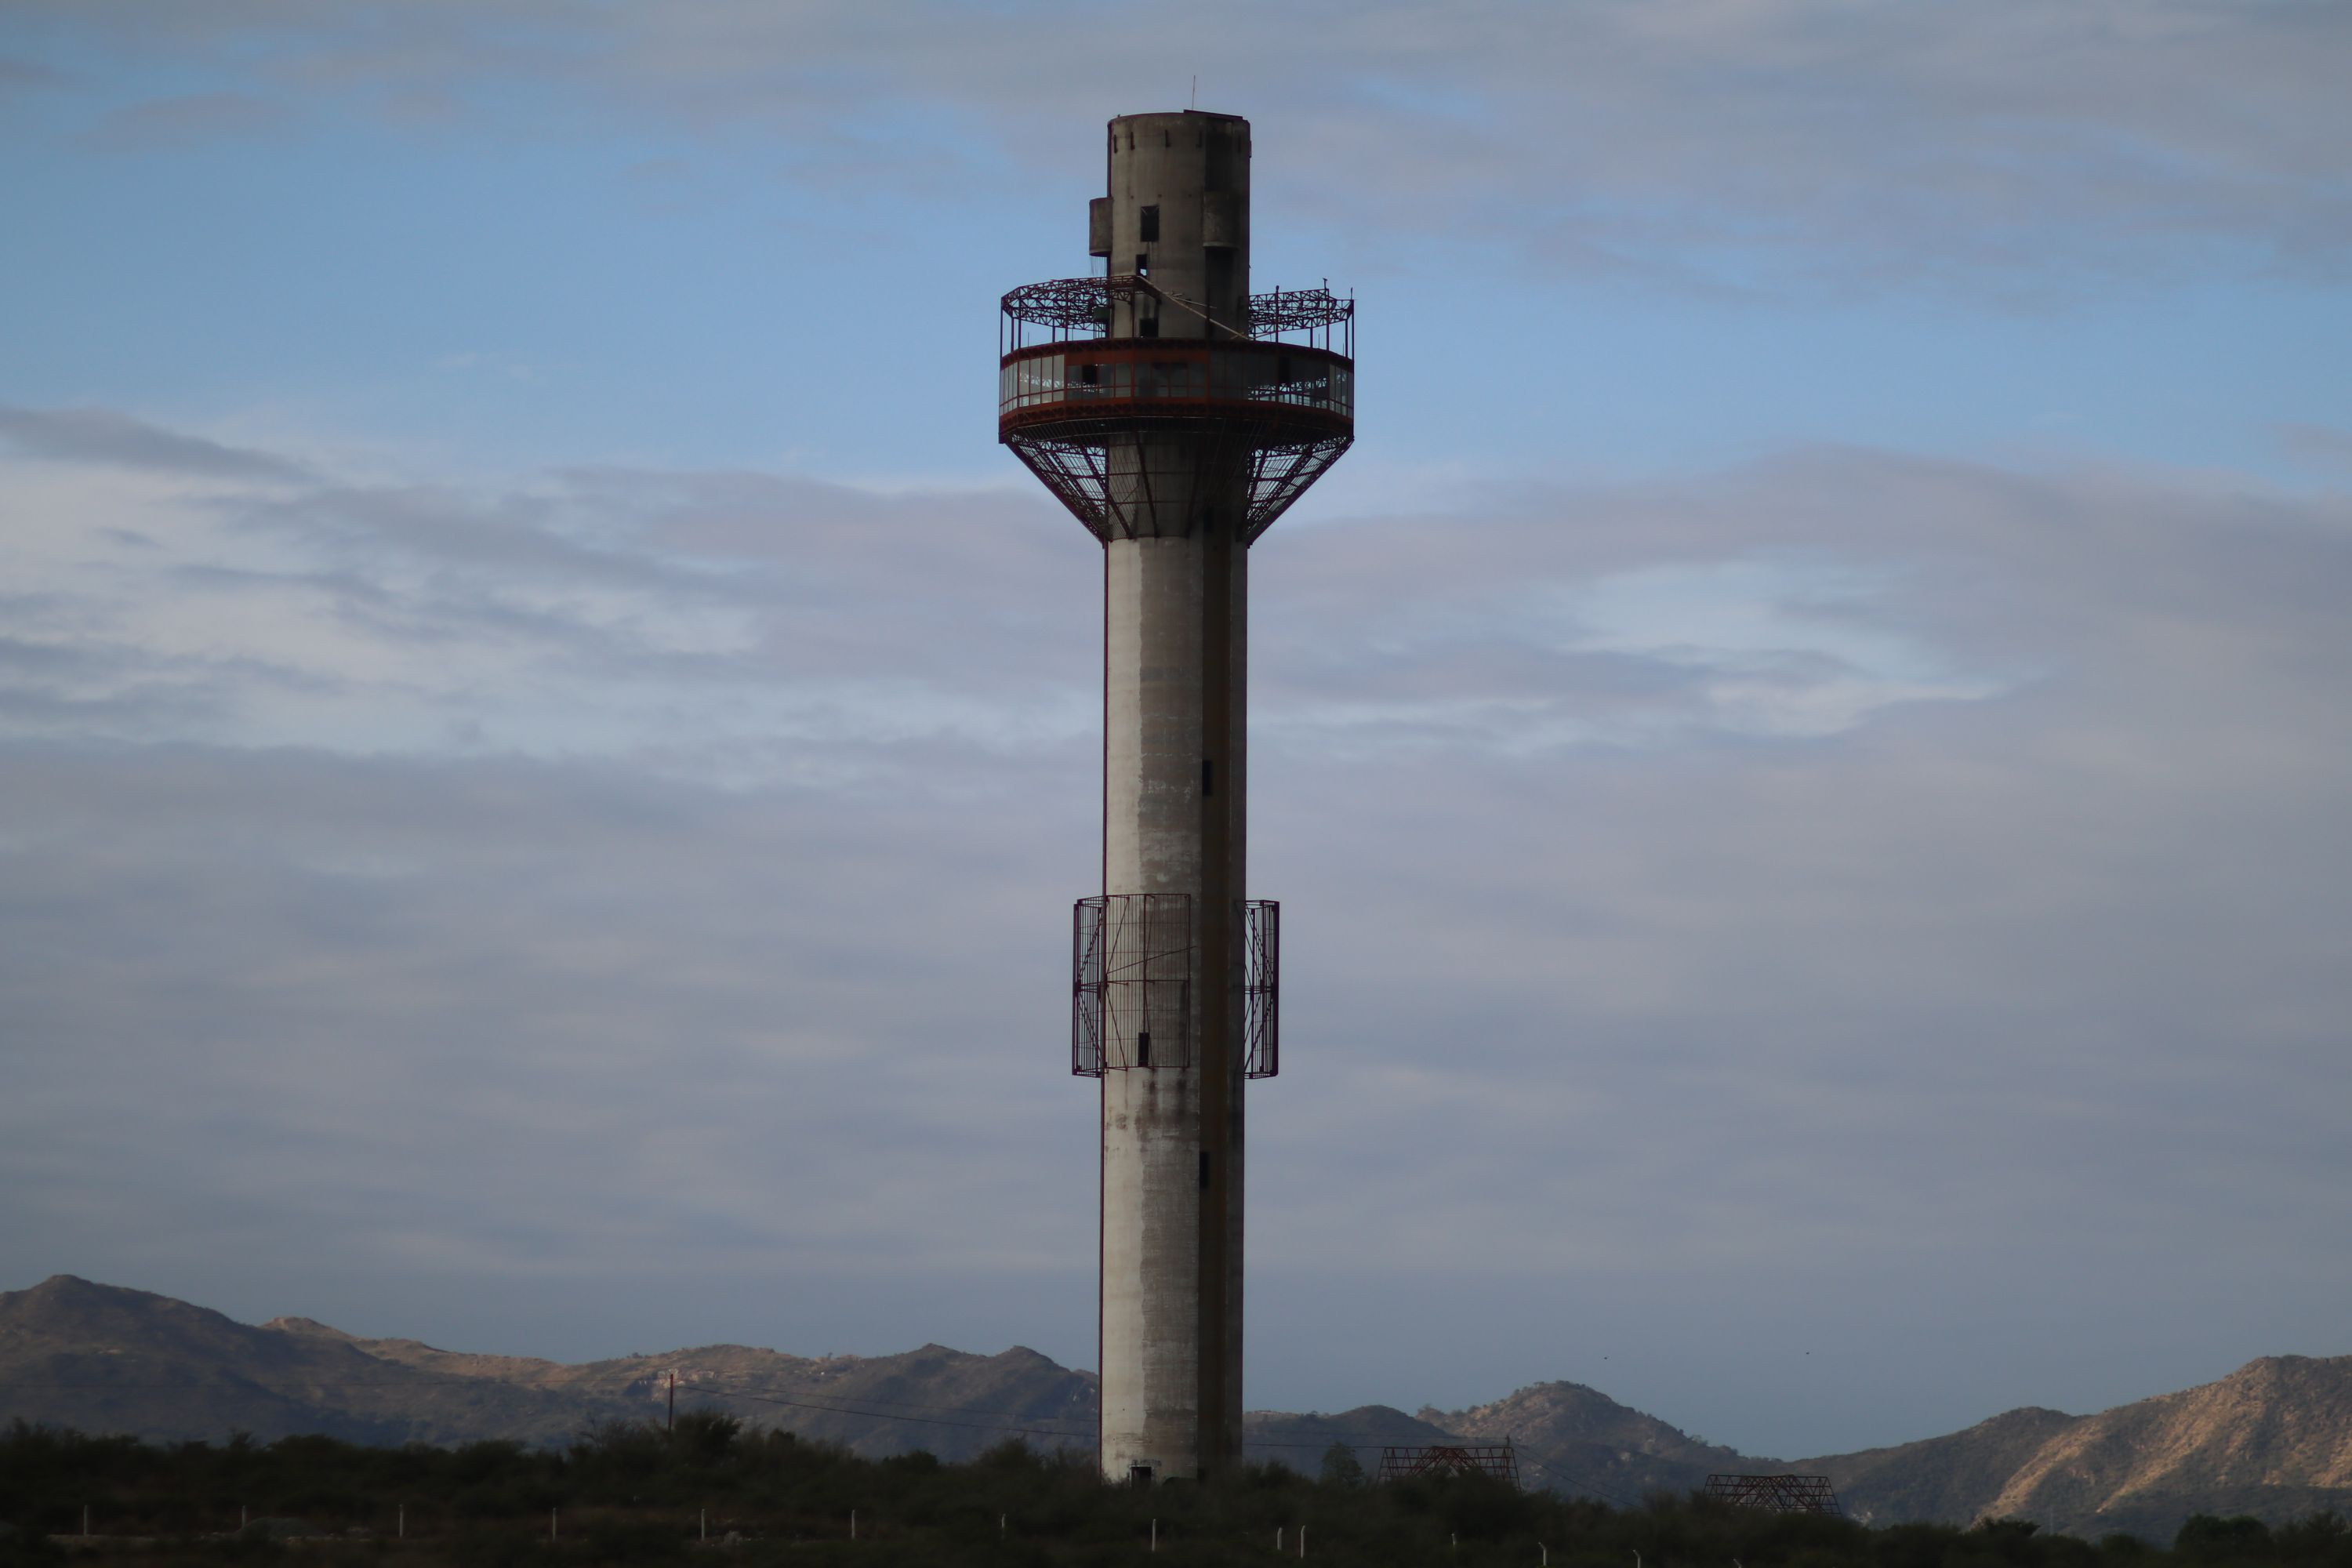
[[1175, 679]]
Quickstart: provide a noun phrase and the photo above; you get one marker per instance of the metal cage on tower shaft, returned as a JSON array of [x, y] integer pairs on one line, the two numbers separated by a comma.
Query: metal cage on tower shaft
[[1131, 984]]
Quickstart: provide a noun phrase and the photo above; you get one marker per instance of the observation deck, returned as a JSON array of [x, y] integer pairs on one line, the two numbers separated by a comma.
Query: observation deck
[[1110, 423]]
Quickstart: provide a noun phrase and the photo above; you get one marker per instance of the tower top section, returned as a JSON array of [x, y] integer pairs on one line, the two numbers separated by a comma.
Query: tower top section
[[1163, 369], [1177, 210]]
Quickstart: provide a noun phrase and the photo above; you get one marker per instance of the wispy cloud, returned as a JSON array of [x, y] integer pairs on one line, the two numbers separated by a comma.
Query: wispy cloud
[[168, 124], [613, 611], [2323, 445], [108, 437], [18, 75]]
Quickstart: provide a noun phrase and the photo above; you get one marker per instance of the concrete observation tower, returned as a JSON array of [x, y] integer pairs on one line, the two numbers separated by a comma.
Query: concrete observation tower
[[1177, 415]]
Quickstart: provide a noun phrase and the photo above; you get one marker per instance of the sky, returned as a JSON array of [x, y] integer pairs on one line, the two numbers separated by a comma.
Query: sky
[[545, 752]]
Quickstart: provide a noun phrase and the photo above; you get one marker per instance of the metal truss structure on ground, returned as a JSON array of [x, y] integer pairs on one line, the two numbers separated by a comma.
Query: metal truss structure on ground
[[1499, 1460], [1776, 1494]]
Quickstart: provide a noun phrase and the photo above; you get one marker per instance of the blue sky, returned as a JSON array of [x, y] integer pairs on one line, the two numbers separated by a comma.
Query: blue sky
[[544, 752]]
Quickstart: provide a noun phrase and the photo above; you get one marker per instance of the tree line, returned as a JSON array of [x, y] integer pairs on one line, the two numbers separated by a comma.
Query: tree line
[[641, 1492]]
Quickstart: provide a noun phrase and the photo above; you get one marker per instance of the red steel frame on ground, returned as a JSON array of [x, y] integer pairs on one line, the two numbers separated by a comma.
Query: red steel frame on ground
[[1776, 1494], [1499, 1460]]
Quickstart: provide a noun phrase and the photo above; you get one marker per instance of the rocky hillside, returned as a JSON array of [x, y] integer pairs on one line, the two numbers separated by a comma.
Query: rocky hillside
[[950, 1402], [104, 1359], [1955, 1477], [2273, 1438]]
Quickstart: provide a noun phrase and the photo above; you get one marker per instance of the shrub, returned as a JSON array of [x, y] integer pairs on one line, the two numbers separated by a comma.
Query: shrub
[[1341, 1468], [2206, 1536]]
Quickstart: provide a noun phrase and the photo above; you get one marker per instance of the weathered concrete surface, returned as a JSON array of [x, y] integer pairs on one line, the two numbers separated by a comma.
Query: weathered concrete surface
[[1175, 679]]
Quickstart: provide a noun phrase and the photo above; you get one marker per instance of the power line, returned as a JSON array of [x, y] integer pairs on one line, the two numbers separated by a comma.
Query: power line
[[925, 1420], [873, 1399]]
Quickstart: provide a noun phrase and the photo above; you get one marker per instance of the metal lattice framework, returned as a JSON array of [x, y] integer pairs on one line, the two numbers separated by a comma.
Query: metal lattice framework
[[1499, 1461], [1776, 1494], [1260, 932], [1143, 436], [1116, 477], [1068, 309], [1131, 982], [1299, 310]]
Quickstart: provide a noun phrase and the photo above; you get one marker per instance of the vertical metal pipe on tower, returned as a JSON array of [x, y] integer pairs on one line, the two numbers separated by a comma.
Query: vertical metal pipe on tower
[[1177, 416]]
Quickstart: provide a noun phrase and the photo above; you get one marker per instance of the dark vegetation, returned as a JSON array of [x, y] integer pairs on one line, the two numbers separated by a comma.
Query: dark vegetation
[[631, 1492]]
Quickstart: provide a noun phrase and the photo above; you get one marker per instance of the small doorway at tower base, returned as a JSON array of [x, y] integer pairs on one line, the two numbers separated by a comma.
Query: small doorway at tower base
[[1139, 1477]]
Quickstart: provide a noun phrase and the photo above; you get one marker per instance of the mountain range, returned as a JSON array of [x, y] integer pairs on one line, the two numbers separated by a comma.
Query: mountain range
[[2272, 1439]]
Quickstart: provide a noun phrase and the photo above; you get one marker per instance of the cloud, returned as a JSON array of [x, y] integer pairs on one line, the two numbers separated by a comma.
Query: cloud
[[590, 613], [1811, 899], [619, 612], [168, 124], [1729, 145], [2323, 446], [18, 75], [103, 436]]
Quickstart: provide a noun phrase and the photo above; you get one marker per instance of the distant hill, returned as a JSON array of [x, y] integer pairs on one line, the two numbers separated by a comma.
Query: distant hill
[[1957, 1478], [106, 1359], [2273, 1438], [1575, 1439], [1301, 1441]]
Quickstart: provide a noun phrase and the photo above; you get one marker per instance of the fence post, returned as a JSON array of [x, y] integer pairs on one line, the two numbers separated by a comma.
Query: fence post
[[551, 1525]]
